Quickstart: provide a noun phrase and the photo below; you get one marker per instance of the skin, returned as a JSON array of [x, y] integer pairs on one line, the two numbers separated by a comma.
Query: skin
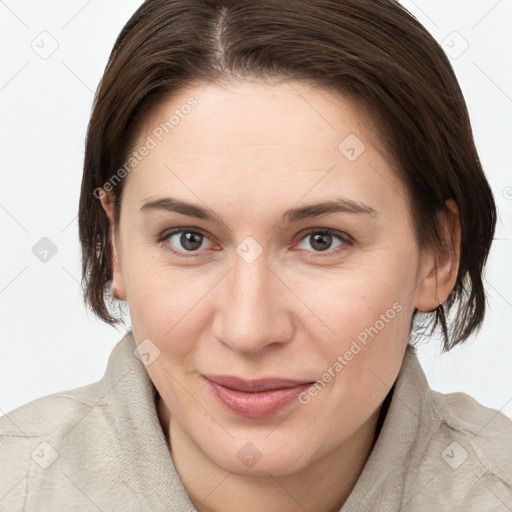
[[249, 151]]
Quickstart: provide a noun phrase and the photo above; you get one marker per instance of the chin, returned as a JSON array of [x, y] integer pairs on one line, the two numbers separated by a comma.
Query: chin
[[262, 458]]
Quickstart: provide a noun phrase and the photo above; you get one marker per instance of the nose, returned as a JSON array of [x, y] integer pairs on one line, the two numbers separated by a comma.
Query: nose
[[253, 308]]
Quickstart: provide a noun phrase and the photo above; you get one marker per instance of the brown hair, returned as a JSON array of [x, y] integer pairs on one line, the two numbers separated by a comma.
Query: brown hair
[[374, 52]]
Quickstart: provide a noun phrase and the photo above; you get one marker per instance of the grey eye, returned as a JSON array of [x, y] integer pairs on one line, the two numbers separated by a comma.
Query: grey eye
[[187, 240], [321, 241]]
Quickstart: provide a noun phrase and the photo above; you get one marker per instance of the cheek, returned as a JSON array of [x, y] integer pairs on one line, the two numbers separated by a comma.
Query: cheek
[[351, 298], [368, 312], [163, 302]]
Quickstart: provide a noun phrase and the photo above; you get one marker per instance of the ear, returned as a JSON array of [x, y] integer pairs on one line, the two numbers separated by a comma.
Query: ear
[[118, 287], [440, 269]]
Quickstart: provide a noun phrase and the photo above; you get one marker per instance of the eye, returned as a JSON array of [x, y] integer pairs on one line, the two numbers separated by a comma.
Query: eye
[[187, 242], [321, 240], [181, 241]]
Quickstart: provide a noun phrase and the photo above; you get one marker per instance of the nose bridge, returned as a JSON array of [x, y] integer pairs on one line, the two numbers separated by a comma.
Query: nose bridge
[[249, 317]]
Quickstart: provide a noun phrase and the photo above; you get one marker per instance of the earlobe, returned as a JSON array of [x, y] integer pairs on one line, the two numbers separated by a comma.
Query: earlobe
[[427, 295], [108, 205], [118, 288], [443, 267]]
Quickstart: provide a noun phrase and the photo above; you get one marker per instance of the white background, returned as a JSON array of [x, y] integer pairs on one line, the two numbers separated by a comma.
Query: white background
[[49, 342]]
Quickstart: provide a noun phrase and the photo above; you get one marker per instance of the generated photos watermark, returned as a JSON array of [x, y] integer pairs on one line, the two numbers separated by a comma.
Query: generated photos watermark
[[363, 338], [151, 143]]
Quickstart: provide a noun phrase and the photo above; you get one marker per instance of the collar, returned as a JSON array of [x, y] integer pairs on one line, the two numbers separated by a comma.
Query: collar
[[410, 422], [132, 397]]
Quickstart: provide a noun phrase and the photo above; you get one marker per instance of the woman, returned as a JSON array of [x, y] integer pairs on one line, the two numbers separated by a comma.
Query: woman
[[282, 193]]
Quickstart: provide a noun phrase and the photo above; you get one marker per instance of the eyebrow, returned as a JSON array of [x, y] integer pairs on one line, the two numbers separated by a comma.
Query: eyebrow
[[292, 215]]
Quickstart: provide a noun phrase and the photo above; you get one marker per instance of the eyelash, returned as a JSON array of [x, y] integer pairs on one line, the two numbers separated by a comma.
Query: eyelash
[[343, 237]]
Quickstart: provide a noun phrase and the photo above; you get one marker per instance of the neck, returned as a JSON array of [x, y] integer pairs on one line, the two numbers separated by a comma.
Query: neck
[[322, 486]]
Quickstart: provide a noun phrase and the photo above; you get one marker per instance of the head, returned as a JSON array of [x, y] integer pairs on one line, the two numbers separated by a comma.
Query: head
[[282, 200]]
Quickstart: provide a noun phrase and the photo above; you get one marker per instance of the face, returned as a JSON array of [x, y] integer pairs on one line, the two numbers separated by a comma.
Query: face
[[230, 270]]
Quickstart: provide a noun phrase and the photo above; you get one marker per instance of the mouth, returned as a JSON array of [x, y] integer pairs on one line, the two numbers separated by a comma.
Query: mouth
[[258, 398]]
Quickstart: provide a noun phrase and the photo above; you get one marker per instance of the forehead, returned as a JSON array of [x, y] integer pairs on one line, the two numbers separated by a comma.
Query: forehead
[[254, 113], [257, 137]]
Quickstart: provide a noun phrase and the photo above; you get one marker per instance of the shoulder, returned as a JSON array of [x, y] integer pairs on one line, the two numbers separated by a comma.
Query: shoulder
[[52, 418], [88, 445], [36, 435], [487, 431], [51, 414], [468, 456], [59, 414]]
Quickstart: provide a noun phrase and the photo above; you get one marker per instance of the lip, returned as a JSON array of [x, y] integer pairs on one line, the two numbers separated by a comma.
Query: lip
[[257, 398]]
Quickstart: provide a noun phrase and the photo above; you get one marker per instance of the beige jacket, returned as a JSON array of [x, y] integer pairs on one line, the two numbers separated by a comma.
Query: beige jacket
[[101, 447]]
